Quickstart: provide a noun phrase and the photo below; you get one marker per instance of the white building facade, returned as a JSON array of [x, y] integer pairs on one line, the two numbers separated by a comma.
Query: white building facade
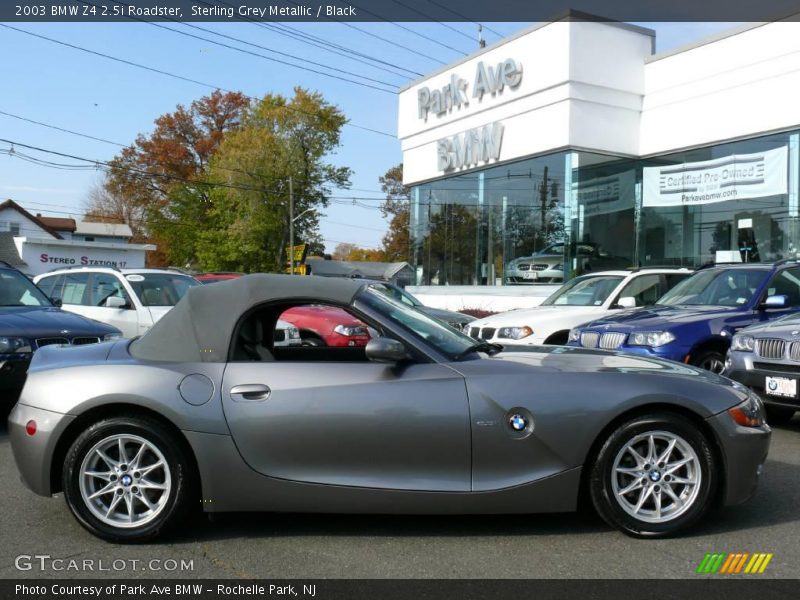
[[575, 136]]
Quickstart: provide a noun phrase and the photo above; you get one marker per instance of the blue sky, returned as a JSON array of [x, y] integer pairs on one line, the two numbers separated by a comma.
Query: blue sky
[[92, 95]]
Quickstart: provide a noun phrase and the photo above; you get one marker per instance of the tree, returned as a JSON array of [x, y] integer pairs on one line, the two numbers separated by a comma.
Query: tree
[[347, 251], [396, 242], [167, 166], [248, 218]]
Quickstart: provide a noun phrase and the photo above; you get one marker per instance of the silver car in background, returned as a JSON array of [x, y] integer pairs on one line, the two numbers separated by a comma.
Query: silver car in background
[[206, 410], [766, 358]]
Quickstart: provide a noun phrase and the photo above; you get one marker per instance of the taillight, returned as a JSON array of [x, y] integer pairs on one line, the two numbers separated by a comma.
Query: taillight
[[30, 427]]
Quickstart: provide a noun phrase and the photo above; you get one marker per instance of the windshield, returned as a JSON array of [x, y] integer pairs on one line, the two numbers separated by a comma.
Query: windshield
[[730, 287], [18, 290], [445, 339], [397, 294], [160, 289], [585, 291]]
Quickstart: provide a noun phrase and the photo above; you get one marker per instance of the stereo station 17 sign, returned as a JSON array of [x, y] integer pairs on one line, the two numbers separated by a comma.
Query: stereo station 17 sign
[[734, 177]]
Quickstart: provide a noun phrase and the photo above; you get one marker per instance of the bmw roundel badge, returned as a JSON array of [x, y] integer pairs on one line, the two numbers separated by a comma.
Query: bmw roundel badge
[[518, 422]]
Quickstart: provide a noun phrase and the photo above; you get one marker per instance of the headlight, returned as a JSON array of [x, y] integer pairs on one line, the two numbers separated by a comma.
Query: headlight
[[112, 336], [514, 333], [749, 413], [13, 344], [558, 267], [574, 335], [653, 339], [743, 343], [293, 333], [351, 330]]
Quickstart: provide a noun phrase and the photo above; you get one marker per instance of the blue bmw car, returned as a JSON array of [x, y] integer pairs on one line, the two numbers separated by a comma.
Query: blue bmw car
[[694, 322]]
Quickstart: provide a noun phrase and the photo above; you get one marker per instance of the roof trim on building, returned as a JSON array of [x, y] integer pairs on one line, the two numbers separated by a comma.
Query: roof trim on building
[[570, 15], [83, 244], [13, 205]]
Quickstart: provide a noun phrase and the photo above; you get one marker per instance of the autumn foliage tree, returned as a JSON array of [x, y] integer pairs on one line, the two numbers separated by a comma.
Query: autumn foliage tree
[[396, 242]]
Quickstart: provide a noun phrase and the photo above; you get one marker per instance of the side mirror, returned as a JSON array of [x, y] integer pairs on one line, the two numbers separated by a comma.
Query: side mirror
[[56, 302], [626, 302], [116, 302], [385, 350], [780, 301]]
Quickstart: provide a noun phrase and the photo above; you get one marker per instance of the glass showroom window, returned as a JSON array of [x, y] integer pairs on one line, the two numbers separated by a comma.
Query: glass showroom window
[[502, 225], [601, 213], [734, 202]]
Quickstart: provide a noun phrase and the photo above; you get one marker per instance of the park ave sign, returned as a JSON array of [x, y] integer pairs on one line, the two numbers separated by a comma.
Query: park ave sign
[[488, 80], [478, 145]]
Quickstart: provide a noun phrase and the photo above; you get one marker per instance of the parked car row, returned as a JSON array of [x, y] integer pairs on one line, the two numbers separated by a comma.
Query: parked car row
[[205, 409], [740, 320], [82, 305]]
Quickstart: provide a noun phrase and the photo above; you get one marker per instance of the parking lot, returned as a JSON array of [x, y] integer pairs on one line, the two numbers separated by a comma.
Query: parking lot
[[332, 546]]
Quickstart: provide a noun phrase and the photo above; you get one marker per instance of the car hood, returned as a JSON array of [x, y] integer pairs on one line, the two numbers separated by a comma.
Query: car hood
[[539, 315], [36, 322], [784, 327], [662, 317], [448, 316]]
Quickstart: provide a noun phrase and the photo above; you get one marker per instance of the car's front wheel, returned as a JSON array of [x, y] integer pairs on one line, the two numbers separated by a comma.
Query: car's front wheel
[[126, 479], [653, 476]]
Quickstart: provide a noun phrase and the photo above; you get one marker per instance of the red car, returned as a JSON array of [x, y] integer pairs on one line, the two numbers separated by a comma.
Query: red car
[[215, 277], [327, 326]]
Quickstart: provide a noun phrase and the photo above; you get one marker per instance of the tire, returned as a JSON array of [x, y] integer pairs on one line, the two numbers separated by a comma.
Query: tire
[[710, 360], [558, 339], [312, 341], [154, 505], [606, 483], [779, 415]]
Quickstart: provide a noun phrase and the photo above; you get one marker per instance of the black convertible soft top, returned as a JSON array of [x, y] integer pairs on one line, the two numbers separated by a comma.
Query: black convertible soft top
[[200, 327]]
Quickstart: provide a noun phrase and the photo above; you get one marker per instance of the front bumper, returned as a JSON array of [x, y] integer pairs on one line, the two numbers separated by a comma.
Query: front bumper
[[744, 452], [34, 454], [12, 378], [755, 379]]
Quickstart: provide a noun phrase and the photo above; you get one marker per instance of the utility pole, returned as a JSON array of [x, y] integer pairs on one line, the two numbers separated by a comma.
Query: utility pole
[[291, 227]]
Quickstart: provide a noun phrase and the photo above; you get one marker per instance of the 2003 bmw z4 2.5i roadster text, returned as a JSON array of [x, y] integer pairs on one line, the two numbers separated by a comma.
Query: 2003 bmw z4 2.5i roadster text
[[204, 410]]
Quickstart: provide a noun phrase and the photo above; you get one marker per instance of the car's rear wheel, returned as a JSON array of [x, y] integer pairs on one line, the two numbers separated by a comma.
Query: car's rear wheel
[[653, 476], [710, 360], [779, 415], [126, 479]]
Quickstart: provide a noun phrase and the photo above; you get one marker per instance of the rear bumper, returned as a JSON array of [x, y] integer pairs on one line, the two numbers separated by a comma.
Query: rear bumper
[[744, 452], [755, 380], [34, 454]]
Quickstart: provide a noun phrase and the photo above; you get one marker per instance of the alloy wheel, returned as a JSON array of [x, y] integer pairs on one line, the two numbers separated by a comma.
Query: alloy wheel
[[656, 476], [125, 480]]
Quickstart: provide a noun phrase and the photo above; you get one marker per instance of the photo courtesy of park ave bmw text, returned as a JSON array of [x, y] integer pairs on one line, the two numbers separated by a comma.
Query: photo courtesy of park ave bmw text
[[399, 298]]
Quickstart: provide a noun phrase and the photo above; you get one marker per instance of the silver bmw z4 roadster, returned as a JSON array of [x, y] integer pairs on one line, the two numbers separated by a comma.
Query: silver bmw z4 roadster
[[205, 410]]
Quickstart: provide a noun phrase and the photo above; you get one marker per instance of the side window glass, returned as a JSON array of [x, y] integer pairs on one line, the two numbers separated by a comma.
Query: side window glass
[[645, 289], [786, 283], [671, 280], [46, 284], [76, 289], [105, 286], [57, 290], [302, 333]]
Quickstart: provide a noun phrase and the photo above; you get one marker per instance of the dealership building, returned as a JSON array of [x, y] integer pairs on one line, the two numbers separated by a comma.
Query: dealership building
[[576, 131]]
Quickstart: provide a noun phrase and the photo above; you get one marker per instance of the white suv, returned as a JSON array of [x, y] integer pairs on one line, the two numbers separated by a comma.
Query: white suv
[[129, 299], [576, 302]]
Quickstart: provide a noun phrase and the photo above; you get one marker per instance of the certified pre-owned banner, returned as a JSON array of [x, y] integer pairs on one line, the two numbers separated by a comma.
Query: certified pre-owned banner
[[734, 177]]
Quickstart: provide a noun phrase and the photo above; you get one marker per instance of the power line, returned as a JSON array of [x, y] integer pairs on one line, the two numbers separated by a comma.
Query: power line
[[383, 39], [408, 29], [318, 42], [262, 56], [173, 75], [460, 16], [422, 14], [57, 128]]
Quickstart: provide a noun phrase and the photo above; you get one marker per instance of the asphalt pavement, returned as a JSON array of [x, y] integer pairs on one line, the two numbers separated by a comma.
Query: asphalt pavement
[[266, 545]]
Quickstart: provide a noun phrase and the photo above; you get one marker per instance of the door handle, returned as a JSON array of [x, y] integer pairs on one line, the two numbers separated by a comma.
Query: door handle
[[251, 392]]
